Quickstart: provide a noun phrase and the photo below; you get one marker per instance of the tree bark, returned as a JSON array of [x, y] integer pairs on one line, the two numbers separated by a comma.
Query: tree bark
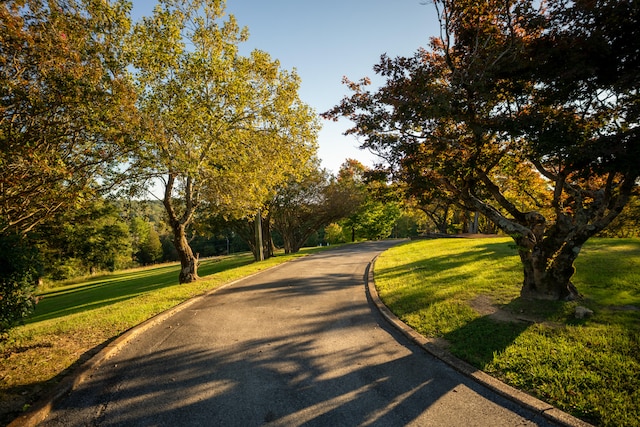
[[547, 257], [548, 270], [259, 254], [246, 230], [267, 239], [188, 261], [547, 253]]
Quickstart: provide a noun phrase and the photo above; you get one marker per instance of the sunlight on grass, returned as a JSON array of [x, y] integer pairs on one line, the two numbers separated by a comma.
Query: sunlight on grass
[[72, 321], [110, 289], [590, 368]]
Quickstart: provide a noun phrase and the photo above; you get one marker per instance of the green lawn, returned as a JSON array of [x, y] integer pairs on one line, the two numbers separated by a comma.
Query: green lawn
[[447, 288], [73, 320], [466, 291]]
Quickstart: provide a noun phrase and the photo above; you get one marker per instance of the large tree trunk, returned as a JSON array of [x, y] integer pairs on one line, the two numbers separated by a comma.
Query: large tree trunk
[[547, 259], [188, 261], [547, 254], [547, 275]]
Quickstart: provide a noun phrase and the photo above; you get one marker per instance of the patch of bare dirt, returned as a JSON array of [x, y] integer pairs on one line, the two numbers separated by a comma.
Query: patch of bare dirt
[[484, 306]]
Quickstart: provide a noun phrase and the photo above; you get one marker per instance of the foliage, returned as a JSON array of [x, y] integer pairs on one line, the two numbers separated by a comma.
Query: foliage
[[528, 116], [19, 274], [374, 220], [224, 130], [67, 109], [150, 249], [94, 238], [377, 208], [466, 292], [411, 223], [147, 248], [67, 117], [333, 234], [627, 224], [307, 204]]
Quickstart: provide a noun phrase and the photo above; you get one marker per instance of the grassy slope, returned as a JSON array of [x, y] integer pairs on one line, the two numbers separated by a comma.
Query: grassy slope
[[467, 292], [73, 321]]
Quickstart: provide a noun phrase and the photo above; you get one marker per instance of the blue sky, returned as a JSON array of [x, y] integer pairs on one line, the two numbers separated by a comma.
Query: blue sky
[[325, 40]]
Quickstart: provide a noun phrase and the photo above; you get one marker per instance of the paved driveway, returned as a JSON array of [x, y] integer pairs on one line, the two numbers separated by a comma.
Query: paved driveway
[[299, 344]]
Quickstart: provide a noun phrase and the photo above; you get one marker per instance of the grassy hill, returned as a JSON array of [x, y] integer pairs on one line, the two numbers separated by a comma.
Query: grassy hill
[[465, 293], [74, 320]]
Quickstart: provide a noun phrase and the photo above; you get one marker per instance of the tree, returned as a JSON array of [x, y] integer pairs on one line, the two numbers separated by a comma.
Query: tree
[[333, 233], [146, 245], [374, 220], [151, 248], [376, 209], [66, 106], [223, 130], [100, 238], [66, 117], [485, 113], [90, 239], [255, 232], [19, 272], [307, 204], [412, 222], [627, 224]]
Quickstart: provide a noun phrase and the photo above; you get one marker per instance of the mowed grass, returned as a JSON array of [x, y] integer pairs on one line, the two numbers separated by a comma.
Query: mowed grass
[[466, 291], [74, 320]]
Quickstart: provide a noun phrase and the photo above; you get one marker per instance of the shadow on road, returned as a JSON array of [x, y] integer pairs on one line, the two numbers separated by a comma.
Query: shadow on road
[[335, 365]]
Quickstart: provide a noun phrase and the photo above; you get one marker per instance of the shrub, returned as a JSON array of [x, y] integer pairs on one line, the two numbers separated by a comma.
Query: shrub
[[333, 233], [19, 275]]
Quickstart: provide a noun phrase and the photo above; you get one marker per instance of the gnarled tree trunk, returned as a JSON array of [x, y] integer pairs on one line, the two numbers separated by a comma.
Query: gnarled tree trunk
[[547, 256], [188, 261], [548, 270], [547, 253]]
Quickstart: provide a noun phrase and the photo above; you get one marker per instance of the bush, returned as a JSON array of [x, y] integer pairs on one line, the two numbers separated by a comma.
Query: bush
[[66, 268], [19, 275], [333, 234]]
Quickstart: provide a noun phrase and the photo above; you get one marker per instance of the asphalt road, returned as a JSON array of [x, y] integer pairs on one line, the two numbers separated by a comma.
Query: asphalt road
[[300, 344]]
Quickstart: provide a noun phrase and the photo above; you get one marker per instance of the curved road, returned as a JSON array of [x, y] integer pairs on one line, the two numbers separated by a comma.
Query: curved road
[[299, 344]]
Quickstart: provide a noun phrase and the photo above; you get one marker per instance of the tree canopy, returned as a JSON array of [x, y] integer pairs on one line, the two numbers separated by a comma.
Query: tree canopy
[[67, 120], [66, 105], [375, 204], [223, 130], [514, 98], [308, 203]]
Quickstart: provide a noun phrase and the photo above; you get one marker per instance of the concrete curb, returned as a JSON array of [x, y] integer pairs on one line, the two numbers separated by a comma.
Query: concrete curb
[[548, 411]]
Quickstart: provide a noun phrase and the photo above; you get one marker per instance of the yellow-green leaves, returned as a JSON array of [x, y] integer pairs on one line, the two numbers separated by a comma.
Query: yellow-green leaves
[[234, 125], [67, 111]]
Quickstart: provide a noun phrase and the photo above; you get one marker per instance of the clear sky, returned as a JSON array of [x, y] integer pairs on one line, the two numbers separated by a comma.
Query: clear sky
[[325, 40]]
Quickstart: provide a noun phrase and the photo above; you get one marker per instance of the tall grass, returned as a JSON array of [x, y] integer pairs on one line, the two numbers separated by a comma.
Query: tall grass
[[467, 292]]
